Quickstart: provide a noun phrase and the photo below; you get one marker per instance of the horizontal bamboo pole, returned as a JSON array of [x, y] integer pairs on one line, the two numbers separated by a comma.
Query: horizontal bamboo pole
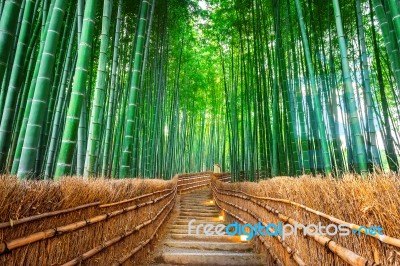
[[190, 180], [13, 223], [194, 174], [181, 179], [196, 182], [144, 243], [293, 254], [26, 240], [224, 178], [345, 254], [136, 198], [193, 187], [123, 235], [383, 238], [267, 246]]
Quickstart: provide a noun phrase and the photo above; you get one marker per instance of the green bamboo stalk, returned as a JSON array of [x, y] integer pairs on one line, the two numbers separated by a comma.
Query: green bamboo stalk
[[125, 164], [15, 83], [41, 95], [395, 10], [314, 93], [8, 28], [69, 139], [56, 123], [96, 119], [357, 137], [111, 99]]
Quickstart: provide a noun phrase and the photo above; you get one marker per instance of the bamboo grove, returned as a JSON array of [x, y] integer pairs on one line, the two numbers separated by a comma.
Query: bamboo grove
[[150, 88]]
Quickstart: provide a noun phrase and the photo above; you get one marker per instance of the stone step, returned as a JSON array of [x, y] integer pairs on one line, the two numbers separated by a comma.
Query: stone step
[[186, 220], [203, 245], [199, 214], [185, 226], [220, 258], [193, 230], [198, 208], [197, 195], [204, 202], [196, 199], [198, 205], [197, 211], [186, 230], [180, 248], [202, 237], [214, 218]]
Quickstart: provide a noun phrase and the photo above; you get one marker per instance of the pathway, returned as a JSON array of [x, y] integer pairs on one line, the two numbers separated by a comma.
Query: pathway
[[180, 248]]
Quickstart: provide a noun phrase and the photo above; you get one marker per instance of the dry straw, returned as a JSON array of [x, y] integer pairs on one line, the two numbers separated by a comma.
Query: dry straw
[[65, 219], [93, 222], [353, 200]]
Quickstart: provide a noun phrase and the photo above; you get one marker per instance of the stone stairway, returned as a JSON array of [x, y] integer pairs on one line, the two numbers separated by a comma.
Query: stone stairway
[[180, 248]]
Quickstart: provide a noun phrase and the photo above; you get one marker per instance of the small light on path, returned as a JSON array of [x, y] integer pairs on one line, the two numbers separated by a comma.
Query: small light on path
[[243, 238]]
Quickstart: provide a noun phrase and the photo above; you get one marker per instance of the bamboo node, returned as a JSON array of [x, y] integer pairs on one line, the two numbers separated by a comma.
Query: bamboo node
[[326, 245], [56, 232], [5, 250]]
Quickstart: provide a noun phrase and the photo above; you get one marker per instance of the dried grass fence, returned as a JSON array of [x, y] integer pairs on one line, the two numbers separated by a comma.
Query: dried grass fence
[[89, 222], [307, 200]]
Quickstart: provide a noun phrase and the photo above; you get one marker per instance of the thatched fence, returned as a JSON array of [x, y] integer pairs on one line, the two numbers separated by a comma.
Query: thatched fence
[[308, 201], [90, 222]]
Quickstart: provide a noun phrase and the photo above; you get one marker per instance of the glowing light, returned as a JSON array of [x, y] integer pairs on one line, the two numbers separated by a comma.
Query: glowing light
[[243, 238], [203, 5], [221, 217], [211, 202]]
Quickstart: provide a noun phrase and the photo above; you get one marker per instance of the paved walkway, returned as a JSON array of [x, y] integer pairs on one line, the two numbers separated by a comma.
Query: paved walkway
[[180, 248]]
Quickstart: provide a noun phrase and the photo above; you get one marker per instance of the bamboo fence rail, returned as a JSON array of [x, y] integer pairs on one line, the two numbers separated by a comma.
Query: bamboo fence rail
[[13, 223], [275, 258], [101, 214], [293, 254], [381, 237], [133, 199], [345, 254], [8, 246], [118, 238], [144, 243]]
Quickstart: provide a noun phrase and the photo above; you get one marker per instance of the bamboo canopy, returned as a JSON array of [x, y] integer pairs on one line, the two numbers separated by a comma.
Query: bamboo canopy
[[155, 88]]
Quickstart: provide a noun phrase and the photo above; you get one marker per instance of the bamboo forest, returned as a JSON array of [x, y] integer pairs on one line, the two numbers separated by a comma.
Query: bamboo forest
[[168, 114], [120, 89]]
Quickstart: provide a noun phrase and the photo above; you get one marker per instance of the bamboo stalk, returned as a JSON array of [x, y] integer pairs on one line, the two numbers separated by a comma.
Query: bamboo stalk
[[143, 243], [13, 223], [342, 252], [106, 244], [188, 180], [23, 241], [196, 182], [189, 188], [383, 238], [133, 199], [264, 242], [292, 253], [194, 174], [194, 178]]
